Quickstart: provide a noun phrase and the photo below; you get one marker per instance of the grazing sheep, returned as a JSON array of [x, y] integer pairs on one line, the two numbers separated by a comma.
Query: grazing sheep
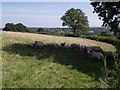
[[55, 45], [39, 44], [97, 55], [31, 45], [109, 55]]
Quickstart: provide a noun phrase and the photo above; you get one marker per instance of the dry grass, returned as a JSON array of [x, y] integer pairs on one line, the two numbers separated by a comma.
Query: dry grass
[[60, 39]]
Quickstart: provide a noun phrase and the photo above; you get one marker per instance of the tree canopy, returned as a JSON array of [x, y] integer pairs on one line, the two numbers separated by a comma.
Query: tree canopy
[[109, 12], [76, 20], [40, 30], [16, 27]]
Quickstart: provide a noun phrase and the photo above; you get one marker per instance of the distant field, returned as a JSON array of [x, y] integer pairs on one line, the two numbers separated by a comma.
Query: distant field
[[58, 39], [48, 67]]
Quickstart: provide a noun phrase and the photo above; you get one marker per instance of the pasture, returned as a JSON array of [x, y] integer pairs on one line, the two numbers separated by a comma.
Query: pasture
[[48, 67]]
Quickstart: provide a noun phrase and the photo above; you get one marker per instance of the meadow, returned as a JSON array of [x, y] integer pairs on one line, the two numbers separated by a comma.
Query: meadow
[[24, 67]]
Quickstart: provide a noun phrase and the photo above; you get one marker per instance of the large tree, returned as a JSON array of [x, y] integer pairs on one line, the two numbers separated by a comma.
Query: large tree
[[76, 20], [109, 12], [9, 27]]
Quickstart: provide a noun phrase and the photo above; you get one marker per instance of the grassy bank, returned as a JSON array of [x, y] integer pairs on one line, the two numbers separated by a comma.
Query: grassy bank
[[48, 67]]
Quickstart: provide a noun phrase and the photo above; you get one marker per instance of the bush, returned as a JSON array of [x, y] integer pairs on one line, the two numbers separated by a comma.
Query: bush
[[111, 76], [40, 30], [118, 38], [17, 28], [111, 40], [104, 33]]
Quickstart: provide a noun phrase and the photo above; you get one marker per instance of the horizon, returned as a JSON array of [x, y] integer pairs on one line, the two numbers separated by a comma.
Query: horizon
[[44, 14]]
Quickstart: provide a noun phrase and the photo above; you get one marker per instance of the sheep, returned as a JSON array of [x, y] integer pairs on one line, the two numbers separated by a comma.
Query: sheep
[[97, 55], [38, 44], [31, 45], [109, 55], [55, 45]]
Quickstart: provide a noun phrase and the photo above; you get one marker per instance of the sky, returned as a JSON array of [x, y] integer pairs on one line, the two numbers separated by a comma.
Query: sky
[[44, 14]]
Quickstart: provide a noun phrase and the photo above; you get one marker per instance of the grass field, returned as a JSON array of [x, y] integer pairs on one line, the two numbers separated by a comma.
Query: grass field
[[48, 67]]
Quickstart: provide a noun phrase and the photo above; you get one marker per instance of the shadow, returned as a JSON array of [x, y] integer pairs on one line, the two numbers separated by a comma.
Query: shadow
[[77, 60]]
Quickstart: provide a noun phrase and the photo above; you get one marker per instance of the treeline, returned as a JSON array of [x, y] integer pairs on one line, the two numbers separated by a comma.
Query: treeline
[[55, 31], [17, 28]]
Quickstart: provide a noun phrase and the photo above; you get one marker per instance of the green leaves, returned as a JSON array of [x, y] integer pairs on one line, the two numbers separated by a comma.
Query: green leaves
[[75, 19], [109, 12], [17, 27]]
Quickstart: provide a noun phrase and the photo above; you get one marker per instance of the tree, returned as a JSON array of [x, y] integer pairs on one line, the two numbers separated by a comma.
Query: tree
[[9, 27], [17, 27], [76, 20], [40, 30], [109, 12]]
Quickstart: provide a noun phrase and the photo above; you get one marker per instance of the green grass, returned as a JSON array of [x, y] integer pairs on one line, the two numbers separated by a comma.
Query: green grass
[[46, 68]]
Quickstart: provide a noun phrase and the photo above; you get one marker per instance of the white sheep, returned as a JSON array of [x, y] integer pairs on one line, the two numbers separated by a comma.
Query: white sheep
[[97, 55]]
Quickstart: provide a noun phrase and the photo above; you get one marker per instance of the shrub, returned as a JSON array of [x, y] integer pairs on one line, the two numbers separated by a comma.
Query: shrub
[[40, 30], [111, 40], [118, 38], [111, 76], [17, 28], [104, 33]]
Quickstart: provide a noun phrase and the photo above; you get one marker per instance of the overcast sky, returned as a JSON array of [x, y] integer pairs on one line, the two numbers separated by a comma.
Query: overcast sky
[[44, 14]]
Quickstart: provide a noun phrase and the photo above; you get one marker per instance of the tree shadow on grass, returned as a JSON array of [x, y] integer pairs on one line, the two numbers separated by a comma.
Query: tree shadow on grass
[[79, 61]]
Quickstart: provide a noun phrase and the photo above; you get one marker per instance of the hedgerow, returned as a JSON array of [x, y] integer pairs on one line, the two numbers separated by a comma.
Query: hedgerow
[[111, 40]]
